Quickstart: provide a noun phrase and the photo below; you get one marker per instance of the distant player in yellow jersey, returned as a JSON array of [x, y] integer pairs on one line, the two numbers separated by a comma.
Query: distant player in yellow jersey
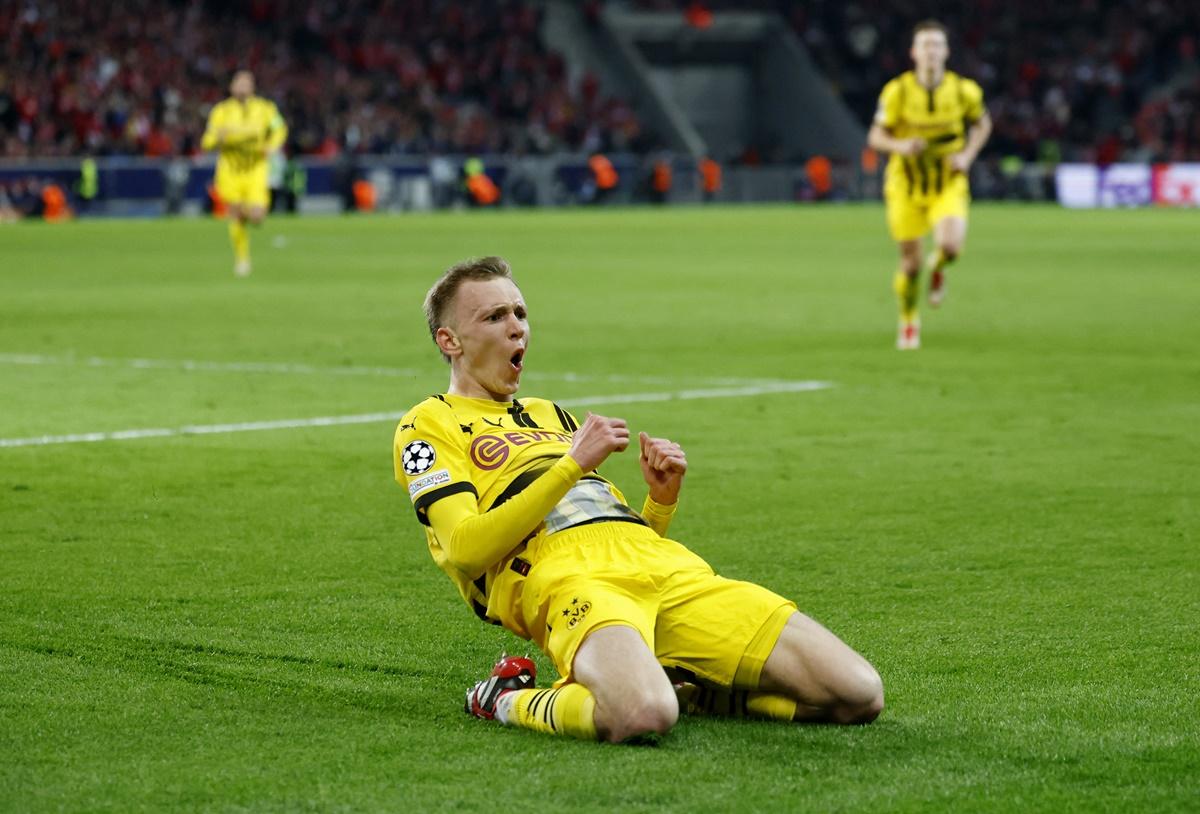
[[536, 540], [934, 124], [245, 130]]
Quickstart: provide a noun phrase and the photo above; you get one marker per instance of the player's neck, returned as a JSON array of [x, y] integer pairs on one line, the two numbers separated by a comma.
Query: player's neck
[[931, 77], [465, 386]]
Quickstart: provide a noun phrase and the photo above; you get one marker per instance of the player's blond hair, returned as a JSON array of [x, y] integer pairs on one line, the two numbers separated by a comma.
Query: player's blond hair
[[441, 297], [930, 25]]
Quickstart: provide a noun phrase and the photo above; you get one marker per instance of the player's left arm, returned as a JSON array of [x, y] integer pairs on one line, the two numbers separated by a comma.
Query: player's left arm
[[663, 466], [277, 131], [978, 129]]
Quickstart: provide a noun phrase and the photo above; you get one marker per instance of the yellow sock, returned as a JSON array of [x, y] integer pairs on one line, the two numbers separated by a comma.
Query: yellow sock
[[568, 710], [239, 236], [905, 287], [705, 700]]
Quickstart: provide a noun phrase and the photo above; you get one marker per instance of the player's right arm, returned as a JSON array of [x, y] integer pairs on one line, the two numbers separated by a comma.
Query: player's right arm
[[474, 542], [887, 116], [447, 500], [214, 131]]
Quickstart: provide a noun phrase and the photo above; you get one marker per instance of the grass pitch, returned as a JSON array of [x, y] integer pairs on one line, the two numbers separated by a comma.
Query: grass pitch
[[1005, 522]]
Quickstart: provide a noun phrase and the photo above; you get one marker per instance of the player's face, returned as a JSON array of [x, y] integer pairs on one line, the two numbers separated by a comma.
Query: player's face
[[242, 86], [491, 326], [930, 51]]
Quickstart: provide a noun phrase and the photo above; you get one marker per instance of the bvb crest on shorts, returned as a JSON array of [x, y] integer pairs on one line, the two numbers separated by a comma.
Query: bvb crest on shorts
[[576, 612]]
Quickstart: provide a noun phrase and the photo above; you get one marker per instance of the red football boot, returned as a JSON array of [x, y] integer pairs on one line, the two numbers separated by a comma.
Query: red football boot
[[510, 673], [909, 335]]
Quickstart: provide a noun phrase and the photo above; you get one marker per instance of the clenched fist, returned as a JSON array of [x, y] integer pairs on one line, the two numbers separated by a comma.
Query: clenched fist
[[599, 437], [663, 467]]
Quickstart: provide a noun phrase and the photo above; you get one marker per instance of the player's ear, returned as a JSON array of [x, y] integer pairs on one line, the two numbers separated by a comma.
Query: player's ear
[[448, 342]]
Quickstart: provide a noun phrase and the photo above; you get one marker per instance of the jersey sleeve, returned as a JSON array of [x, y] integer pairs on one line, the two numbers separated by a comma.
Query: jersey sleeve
[[888, 111], [657, 515], [215, 118], [430, 460], [972, 100]]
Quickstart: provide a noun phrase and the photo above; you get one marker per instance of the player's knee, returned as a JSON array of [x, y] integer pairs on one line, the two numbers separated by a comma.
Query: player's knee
[[950, 251], [646, 712], [860, 698]]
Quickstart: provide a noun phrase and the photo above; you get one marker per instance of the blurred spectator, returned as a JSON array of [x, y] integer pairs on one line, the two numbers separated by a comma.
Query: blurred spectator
[[661, 179], [87, 188], [603, 180], [481, 190], [819, 172], [175, 178], [710, 178]]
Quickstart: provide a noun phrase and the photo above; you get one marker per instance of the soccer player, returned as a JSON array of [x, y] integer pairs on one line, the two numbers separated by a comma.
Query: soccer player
[[535, 539], [934, 124], [244, 129]]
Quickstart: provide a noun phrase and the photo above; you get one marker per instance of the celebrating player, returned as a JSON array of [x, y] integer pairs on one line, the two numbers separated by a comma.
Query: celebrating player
[[245, 129], [934, 124], [536, 540]]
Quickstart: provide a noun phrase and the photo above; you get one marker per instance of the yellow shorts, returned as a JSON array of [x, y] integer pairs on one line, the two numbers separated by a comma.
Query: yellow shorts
[[912, 218], [243, 188], [616, 573]]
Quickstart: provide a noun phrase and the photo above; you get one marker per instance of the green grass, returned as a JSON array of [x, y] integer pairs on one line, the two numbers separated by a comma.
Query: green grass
[[1005, 523]]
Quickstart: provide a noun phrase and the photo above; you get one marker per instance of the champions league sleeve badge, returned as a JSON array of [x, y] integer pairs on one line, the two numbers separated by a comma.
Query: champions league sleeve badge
[[418, 456]]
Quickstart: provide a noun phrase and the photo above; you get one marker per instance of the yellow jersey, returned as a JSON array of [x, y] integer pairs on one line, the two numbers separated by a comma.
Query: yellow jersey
[[252, 129], [486, 478], [940, 115]]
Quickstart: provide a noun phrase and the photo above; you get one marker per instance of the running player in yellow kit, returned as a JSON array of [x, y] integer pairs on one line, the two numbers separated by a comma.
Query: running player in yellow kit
[[934, 124], [244, 129], [536, 540]]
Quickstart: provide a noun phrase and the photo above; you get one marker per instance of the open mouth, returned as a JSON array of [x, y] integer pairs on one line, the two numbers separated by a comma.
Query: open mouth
[[517, 359]]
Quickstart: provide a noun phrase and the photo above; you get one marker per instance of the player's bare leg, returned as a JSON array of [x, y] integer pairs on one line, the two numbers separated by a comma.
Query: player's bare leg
[[949, 235], [633, 695], [828, 680], [906, 285], [255, 215]]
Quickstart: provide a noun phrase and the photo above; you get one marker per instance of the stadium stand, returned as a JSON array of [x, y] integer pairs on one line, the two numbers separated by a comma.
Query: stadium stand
[[407, 89], [135, 77], [1100, 81]]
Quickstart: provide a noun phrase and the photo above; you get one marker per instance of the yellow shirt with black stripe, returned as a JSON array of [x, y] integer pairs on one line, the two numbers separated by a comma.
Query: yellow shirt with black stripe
[[252, 128], [486, 478], [941, 115]]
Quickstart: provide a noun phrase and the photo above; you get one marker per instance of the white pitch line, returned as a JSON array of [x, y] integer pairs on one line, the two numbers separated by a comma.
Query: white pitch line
[[294, 368], [373, 418]]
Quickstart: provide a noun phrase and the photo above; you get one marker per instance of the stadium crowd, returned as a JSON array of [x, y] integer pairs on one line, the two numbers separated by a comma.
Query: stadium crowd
[[136, 77], [1100, 80]]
